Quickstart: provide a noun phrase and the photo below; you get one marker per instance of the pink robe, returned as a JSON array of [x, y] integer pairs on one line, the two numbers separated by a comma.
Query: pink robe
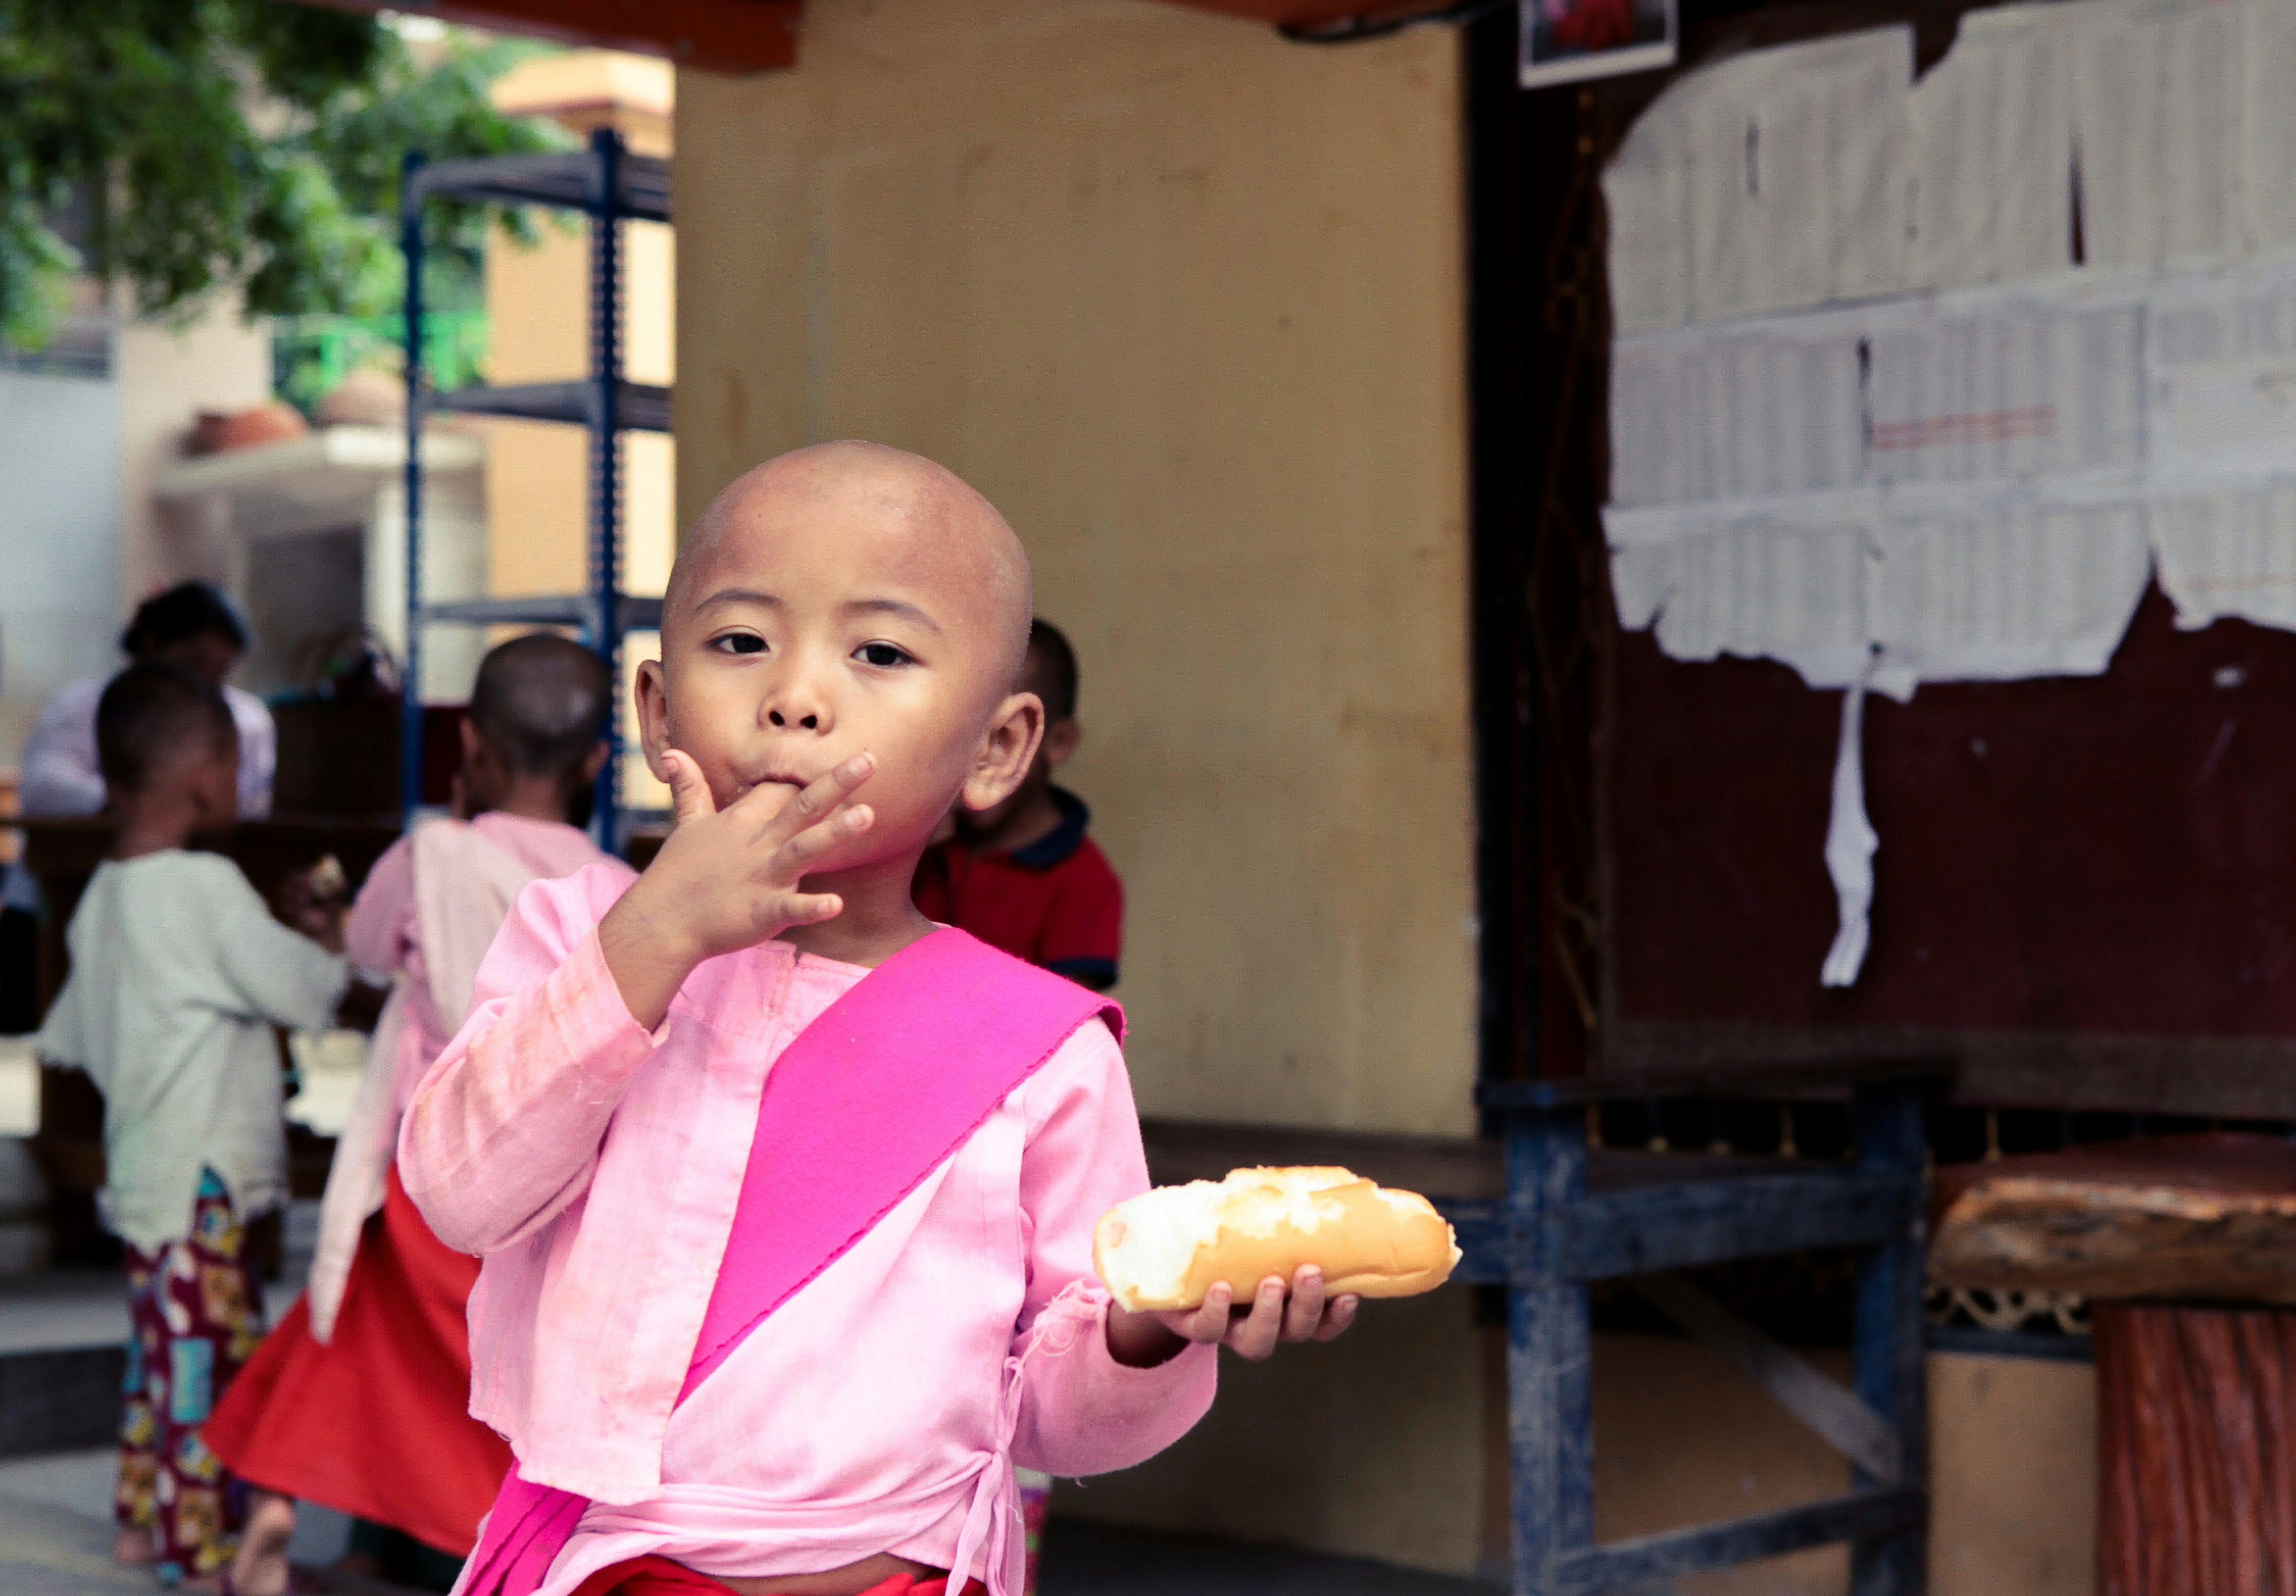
[[596, 1166], [426, 915]]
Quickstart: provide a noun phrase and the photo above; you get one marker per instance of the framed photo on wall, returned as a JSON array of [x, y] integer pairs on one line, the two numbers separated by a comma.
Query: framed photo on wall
[[1566, 41]]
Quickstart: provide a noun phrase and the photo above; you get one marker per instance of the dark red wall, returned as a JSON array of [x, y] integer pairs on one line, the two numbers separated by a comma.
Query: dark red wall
[[2115, 854]]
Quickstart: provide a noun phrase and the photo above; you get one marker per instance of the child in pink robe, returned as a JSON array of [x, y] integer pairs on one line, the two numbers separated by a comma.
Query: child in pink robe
[[843, 616], [377, 1350]]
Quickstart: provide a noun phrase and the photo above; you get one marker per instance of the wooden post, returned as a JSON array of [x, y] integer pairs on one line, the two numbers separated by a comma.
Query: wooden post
[[1886, 1121], [1550, 1413]]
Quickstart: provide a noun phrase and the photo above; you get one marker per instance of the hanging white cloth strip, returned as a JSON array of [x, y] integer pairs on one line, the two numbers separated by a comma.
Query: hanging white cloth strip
[[1851, 843]]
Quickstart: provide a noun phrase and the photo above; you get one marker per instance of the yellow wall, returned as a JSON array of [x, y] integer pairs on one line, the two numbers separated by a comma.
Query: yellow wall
[[1390, 1443], [1186, 300], [537, 473], [1680, 1437], [1371, 1446]]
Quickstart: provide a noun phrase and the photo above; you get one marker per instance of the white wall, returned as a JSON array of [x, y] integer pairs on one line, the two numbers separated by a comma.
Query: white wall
[[60, 515], [166, 376]]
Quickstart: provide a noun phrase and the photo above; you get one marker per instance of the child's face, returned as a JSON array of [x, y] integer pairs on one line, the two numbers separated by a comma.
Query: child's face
[[840, 601]]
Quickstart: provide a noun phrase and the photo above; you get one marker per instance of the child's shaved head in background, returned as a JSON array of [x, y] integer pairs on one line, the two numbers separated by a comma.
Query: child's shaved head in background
[[542, 703], [152, 717], [535, 740]]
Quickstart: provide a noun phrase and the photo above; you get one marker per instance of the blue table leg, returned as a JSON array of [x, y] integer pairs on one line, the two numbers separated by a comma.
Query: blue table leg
[[1550, 1414], [1890, 1376]]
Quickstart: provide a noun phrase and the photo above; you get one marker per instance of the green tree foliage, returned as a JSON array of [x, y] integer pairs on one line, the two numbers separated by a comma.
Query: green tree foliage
[[187, 148]]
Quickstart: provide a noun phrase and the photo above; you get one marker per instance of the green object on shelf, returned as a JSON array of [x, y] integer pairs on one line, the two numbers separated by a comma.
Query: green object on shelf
[[311, 355]]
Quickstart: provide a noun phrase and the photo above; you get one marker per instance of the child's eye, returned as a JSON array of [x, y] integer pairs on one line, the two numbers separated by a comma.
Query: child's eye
[[739, 642], [884, 656]]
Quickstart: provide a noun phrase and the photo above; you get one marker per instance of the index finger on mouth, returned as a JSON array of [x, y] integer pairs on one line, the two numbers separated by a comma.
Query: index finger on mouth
[[817, 798]]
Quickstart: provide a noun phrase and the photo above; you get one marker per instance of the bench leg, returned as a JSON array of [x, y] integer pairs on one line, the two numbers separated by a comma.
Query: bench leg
[[1889, 1373], [1550, 1414]]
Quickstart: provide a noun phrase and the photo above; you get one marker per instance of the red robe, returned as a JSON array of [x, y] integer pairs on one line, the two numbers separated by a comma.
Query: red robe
[[375, 1423], [658, 1576]]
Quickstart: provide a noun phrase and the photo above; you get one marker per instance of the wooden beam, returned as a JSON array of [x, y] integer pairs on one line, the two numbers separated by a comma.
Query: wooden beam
[[1745, 1076], [1829, 1411], [1681, 1226], [1889, 1368], [736, 37], [1550, 1363], [2203, 1217], [1307, 14], [1709, 1222], [1647, 1559], [744, 36], [2232, 1078]]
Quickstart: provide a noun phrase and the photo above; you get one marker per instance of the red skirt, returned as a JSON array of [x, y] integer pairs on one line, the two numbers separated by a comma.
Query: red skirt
[[375, 1423], [658, 1576]]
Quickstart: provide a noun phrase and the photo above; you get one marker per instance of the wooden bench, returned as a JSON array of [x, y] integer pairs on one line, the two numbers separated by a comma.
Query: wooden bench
[[1541, 1214]]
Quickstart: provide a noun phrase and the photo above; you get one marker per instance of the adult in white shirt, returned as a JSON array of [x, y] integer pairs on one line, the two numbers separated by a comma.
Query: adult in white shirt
[[191, 625]]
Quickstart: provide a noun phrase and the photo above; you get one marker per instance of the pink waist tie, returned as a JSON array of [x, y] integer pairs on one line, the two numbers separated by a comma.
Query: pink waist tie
[[523, 1535], [994, 1516]]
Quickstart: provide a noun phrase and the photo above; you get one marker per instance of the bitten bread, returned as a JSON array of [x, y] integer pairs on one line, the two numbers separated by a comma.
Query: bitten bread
[[1166, 1247]]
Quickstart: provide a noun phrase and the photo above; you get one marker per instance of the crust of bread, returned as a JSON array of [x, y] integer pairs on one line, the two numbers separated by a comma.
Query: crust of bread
[[1368, 1241]]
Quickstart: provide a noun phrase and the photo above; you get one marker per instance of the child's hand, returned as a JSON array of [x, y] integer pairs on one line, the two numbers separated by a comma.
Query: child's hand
[[310, 901], [1143, 1339], [726, 879]]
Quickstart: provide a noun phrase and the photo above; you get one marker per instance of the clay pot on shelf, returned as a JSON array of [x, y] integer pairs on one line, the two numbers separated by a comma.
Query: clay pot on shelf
[[219, 432]]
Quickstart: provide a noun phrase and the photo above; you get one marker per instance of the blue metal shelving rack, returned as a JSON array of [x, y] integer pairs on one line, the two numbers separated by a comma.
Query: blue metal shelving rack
[[609, 185]]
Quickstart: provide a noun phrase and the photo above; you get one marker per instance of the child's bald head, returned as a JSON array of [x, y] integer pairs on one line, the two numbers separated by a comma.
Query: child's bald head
[[928, 523], [843, 599]]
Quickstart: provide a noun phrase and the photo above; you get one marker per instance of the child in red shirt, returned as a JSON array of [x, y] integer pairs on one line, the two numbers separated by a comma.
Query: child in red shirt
[[1021, 875]]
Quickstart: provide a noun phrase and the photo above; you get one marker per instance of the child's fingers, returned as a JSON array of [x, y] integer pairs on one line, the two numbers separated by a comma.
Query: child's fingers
[[1255, 1336], [817, 801], [689, 794], [1209, 1321], [811, 908], [1340, 1313], [1303, 1311], [797, 855]]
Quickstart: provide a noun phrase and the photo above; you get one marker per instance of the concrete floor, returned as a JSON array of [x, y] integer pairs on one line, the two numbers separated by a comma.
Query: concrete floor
[[55, 1510], [55, 1539], [1094, 1560], [56, 1531]]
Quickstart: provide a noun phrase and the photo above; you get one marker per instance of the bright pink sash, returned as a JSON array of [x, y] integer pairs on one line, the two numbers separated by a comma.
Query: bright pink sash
[[866, 1102]]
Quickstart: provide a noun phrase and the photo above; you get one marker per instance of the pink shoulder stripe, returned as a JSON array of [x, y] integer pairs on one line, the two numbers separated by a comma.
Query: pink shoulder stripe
[[872, 1097]]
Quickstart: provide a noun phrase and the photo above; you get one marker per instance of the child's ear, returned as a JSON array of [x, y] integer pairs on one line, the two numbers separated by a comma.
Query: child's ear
[[653, 717], [1006, 752]]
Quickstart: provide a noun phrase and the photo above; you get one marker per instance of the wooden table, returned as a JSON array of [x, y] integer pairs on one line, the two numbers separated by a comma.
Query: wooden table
[[2175, 1240], [1542, 1215]]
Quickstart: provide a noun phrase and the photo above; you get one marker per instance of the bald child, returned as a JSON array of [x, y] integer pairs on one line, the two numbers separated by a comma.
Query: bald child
[[785, 1195]]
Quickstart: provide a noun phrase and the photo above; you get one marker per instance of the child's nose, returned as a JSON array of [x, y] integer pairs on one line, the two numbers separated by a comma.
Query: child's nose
[[798, 704]]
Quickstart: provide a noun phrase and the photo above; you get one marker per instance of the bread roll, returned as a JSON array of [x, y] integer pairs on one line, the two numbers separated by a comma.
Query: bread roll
[[1165, 1247]]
